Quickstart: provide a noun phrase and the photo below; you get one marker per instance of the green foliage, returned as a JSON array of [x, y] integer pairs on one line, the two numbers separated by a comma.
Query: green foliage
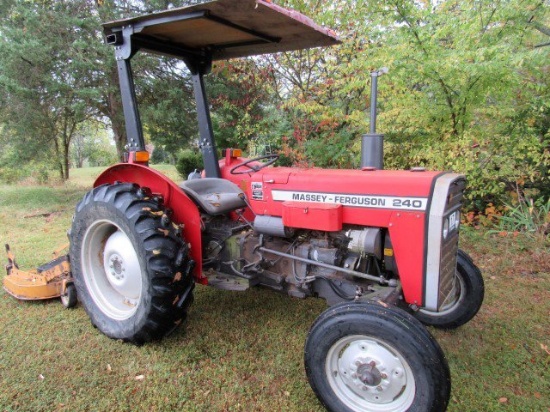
[[166, 104], [188, 161], [45, 79], [465, 91], [240, 100], [161, 156], [527, 216], [91, 146], [10, 175]]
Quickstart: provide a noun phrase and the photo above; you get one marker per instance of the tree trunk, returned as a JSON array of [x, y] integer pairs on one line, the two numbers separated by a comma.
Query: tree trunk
[[66, 159], [58, 159]]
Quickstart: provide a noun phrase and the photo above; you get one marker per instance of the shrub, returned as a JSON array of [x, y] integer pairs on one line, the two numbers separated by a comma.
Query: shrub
[[188, 161], [528, 216], [12, 175]]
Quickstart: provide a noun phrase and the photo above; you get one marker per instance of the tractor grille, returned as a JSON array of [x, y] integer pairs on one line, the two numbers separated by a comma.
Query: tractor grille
[[449, 243]]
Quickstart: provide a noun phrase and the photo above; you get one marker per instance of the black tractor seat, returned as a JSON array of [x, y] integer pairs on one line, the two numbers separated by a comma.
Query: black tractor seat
[[215, 196]]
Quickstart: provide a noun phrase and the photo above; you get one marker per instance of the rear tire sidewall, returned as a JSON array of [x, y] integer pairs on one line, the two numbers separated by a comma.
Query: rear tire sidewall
[[122, 329], [393, 327]]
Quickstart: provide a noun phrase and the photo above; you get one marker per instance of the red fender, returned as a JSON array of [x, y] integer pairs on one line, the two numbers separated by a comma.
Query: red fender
[[185, 211]]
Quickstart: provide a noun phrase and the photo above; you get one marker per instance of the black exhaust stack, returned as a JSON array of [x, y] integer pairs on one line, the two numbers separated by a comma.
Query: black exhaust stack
[[372, 144]]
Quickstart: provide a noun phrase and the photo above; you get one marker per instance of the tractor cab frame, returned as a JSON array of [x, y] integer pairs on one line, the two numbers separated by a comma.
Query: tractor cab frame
[[200, 35]]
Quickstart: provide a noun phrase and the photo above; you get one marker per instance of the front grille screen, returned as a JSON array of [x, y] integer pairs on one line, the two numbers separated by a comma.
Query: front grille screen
[[449, 241]]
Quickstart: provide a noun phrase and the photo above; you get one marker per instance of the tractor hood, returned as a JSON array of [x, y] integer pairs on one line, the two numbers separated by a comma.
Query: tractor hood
[[364, 196]]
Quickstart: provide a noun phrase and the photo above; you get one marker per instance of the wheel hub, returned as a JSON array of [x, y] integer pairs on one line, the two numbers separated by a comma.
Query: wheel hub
[[116, 266], [122, 267], [370, 374]]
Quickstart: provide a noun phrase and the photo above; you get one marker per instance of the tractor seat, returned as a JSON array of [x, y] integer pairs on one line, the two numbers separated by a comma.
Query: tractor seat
[[215, 196]]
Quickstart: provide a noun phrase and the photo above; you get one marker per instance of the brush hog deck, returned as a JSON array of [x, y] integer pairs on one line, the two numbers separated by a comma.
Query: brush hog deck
[[51, 280]]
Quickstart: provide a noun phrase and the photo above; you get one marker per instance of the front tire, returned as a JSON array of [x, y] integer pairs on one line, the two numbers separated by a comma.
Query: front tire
[[130, 264], [362, 357], [469, 291]]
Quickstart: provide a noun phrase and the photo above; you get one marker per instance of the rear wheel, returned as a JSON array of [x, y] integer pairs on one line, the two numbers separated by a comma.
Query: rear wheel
[[130, 264], [467, 297], [363, 357]]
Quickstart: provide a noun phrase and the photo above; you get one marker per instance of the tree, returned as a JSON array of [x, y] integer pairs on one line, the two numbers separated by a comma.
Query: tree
[[56, 72], [449, 101], [92, 146], [44, 84]]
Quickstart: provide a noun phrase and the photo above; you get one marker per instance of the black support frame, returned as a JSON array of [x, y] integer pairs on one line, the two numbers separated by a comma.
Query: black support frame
[[128, 40], [134, 130]]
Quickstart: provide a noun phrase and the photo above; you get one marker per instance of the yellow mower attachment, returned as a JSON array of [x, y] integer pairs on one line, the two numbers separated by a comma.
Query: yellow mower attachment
[[48, 281]]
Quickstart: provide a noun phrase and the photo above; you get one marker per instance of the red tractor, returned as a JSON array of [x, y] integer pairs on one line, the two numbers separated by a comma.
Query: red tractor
[[380, 246]]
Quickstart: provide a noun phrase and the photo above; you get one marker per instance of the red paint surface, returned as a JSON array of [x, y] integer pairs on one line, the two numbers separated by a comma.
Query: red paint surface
[[406, 228], [315, 216]]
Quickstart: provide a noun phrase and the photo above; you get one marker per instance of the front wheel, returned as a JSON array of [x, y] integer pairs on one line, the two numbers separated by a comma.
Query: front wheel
[[130, 264], [68, 297], [362, 357], [466, 297]]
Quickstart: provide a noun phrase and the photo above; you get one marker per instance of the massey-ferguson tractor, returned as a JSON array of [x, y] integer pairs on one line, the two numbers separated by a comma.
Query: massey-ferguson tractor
[[380, 246]]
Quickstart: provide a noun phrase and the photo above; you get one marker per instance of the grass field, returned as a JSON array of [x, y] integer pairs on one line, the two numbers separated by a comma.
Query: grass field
[[243, 351]]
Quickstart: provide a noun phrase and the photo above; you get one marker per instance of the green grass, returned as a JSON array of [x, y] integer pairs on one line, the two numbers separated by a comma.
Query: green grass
[[243, 351]]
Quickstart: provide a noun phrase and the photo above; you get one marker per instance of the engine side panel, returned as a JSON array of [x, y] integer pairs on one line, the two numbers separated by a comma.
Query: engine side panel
[[405, 229]]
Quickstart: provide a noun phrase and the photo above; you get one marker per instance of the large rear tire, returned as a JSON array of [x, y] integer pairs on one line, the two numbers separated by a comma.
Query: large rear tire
[[130, 264], [468, 294], [363, 357]]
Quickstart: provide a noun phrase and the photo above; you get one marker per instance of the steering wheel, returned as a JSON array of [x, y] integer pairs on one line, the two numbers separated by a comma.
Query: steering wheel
[[254, 168]]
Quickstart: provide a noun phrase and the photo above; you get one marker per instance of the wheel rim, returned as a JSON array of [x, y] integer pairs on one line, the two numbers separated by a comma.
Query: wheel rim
[[65, 299], [368, 374], [111, 270], [455, 299]]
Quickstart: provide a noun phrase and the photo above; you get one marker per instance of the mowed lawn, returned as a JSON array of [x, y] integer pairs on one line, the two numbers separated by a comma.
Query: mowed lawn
[[243, 351]]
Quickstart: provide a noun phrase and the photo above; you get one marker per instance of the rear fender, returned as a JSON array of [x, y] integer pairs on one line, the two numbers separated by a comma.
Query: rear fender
[[184, 210]]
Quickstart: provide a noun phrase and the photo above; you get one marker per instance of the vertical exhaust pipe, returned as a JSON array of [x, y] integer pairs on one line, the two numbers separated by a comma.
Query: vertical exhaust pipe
[[372, 144]]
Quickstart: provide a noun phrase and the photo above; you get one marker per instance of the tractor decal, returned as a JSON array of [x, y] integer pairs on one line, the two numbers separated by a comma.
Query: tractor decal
[[372, 201]]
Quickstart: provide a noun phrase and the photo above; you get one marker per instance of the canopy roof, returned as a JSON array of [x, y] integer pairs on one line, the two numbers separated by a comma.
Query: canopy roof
[[223, 29]]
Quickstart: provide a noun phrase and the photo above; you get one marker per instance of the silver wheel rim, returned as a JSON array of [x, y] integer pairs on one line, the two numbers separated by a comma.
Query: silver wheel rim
[[65, 299], [367, 374], [111, 270], [455, 299]]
